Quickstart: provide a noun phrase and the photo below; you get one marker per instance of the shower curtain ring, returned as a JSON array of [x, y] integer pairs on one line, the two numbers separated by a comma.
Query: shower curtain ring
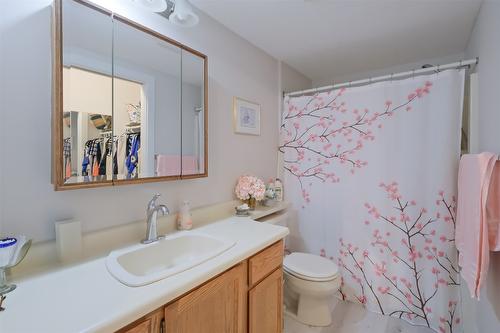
[[392, 77], [413, 74]]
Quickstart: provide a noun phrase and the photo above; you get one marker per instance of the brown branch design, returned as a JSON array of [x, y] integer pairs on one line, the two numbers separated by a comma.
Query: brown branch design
[[325, 132], [414, 276]]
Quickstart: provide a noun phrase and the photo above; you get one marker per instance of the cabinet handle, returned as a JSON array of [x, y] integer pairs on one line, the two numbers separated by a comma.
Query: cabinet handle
[[162, 326]]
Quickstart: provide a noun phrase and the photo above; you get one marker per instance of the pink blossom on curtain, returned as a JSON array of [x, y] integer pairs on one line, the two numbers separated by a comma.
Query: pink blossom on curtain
[[324, 131]]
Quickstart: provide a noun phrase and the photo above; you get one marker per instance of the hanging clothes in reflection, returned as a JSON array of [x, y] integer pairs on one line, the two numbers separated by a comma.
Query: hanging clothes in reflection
[[96, 154], [133, 144], [92, 157], [67, 157], [116, 155]]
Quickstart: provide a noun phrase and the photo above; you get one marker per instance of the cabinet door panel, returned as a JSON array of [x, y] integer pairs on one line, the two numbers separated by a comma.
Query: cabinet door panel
[[266, 305], [217, 306]]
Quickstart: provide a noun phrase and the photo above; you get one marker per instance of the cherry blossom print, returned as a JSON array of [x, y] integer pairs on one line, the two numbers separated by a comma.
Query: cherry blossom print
[[324, 133], [404, 278]]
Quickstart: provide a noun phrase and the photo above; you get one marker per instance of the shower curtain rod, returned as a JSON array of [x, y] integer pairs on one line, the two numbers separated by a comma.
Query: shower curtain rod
[[438, 68]]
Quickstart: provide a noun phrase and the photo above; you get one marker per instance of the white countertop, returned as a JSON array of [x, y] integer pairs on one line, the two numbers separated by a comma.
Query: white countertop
[[86, 298]]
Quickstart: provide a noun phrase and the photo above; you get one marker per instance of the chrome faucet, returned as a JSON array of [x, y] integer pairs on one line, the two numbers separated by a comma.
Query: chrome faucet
[[152, 214]]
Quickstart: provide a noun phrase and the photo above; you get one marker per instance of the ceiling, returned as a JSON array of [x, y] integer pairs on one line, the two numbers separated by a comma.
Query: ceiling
[[327, 38]]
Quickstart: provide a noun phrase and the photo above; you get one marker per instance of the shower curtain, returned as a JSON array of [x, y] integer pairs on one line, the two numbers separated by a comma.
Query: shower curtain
[[372, 174]]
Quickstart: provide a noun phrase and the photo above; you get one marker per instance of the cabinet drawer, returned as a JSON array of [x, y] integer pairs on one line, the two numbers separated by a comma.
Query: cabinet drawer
[[264, 262]]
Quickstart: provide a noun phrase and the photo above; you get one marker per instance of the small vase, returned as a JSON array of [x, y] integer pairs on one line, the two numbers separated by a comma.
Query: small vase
[[251, 202]]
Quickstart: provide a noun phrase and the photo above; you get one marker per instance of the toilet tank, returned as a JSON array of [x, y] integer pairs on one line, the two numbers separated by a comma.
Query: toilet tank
[[280, 218], [277, 218]]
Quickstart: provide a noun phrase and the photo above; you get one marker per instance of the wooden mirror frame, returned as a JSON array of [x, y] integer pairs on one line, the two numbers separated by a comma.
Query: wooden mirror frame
[[57, 102]]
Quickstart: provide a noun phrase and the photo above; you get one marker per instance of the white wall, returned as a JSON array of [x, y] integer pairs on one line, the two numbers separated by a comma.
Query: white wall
[[29, 204], [292, 80], [191, 99], [387, 71], [289, 80], [485, 44]]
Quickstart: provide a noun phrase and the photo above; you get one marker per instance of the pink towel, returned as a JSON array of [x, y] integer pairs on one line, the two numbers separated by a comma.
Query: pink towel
[[189, 165], [493, 209], [471, 234], [170, 165]]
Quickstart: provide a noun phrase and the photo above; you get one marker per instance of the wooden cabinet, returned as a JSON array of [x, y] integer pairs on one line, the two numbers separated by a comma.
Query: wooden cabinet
[[248, 298], [265, 262], [217, 306], [151, 323], [265, 305]]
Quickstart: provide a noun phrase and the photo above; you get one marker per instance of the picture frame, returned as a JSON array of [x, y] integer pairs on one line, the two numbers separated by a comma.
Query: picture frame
[[246, 117]]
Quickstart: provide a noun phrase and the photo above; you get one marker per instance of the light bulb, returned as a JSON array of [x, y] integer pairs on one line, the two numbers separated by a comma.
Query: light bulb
[[157, 6], [183, 14]]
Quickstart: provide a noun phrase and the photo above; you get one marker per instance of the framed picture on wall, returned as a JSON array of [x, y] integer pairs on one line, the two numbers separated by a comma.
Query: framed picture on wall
[[246, 117]]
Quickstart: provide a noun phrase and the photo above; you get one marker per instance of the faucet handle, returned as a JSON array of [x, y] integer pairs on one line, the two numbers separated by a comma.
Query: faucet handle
[[152, 202]]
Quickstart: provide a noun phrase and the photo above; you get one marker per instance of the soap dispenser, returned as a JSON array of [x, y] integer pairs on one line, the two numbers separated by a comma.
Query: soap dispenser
[[184, 220], [278, 190]]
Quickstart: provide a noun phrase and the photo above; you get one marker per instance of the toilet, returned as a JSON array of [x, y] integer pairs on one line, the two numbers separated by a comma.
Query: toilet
[[310, 282]]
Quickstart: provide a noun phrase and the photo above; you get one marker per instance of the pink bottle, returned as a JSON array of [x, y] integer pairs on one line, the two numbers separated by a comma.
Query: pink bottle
[[184, 220]]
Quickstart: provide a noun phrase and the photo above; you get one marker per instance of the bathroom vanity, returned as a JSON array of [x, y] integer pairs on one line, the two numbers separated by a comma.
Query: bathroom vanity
[[239, 290]]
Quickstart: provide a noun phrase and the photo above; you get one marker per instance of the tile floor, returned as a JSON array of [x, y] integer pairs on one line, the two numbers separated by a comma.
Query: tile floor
[[352, 318]]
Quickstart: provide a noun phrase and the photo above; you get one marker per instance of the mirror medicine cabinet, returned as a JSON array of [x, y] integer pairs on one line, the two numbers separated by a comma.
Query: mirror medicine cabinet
[[129, 104]]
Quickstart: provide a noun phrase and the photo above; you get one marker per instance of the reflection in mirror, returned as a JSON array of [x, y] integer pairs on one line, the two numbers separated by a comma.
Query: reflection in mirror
[[87, 94], [193, 106], [147, 120], [130, 104]]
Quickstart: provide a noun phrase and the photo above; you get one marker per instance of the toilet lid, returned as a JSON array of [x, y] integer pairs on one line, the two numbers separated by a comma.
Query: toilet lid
[[310, 266]]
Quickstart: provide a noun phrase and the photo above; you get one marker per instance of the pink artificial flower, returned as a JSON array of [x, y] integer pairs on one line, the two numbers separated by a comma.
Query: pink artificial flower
[[250, 186]]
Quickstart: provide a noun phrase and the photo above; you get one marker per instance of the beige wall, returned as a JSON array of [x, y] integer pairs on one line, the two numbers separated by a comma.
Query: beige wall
[[79, 85], [126, 92], [29, 204]]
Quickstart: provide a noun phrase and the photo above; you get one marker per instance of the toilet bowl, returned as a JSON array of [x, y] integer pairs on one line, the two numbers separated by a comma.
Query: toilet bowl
[[310, 282]]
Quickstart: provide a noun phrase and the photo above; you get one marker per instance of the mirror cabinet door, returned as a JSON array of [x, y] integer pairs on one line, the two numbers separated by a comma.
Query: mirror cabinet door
[[193, 114], [86, 94], [146, 104]]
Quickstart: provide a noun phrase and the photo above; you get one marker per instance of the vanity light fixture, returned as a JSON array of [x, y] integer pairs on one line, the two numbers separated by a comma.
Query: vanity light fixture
[[183, 14], [156, 6], [179, 12]]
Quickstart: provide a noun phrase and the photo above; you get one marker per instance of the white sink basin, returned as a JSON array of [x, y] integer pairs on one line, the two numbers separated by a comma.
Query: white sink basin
[[144, 264]]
